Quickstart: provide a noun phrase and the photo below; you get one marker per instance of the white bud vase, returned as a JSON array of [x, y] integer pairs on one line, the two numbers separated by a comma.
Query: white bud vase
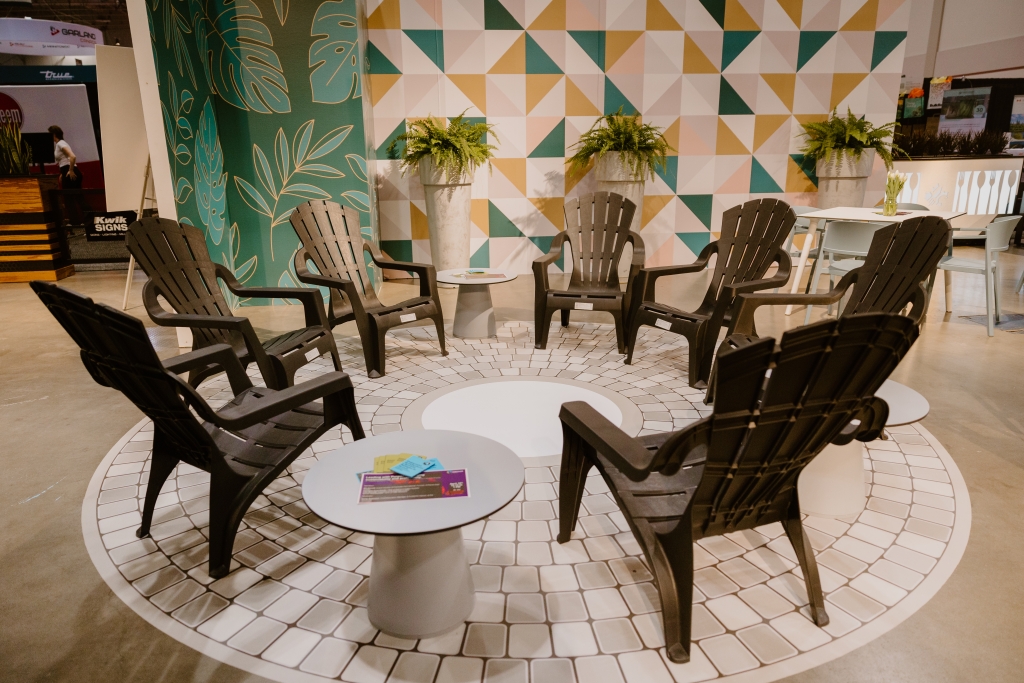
[[448, 215], [613, 175]]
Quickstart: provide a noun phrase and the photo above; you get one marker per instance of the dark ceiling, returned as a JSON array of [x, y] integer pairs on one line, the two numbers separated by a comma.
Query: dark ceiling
[[109, 16]]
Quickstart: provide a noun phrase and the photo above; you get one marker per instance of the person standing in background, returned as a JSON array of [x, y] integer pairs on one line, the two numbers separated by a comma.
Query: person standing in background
[[70, 174]]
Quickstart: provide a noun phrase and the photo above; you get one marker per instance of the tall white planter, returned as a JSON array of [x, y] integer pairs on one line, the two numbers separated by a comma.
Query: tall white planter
[[448, 210], [615, 176], [842, 180]]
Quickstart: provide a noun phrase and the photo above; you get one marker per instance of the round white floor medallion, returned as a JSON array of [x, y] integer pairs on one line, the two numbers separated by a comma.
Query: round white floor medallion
[[521, 413], [294, 607]]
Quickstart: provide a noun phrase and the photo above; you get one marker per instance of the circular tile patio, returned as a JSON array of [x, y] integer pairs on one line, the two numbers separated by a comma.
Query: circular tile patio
[[293, 608]]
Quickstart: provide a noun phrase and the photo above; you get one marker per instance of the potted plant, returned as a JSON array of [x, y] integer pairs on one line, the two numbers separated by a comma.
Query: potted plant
[[15, 154], [446, 157], [843, 149], [639, 148]]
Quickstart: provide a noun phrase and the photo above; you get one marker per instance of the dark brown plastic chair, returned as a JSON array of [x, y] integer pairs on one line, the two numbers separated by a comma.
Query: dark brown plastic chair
[[737, 468], [244, 446], [751, 241], [597, 230], [180, 269], [897, 270], [331, 239]]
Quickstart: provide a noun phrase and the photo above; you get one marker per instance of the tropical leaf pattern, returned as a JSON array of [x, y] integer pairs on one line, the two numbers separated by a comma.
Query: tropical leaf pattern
[[334, 58], [282, 191], [220, 63], [210, 179], [237, 55]]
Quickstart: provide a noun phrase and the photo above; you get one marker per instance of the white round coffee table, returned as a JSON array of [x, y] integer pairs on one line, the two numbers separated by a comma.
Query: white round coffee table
[[474, 312], [832, 485], [420, 583]]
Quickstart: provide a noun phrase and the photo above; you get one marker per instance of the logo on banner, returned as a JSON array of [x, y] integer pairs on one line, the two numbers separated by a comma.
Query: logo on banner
[[57, 75], [109, 226], [84, 35], [10, 110], [54, 30]]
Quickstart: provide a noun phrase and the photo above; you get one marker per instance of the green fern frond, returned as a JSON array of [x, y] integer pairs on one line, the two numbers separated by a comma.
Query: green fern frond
[[641, 146], [849, 135], [456, 149]]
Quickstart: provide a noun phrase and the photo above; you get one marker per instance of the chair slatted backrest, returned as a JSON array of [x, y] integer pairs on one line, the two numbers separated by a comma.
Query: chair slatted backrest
[[597, 226], [900, 258], [752, 234], [763, 433], [117, 353], [175, 257], [331, 235]]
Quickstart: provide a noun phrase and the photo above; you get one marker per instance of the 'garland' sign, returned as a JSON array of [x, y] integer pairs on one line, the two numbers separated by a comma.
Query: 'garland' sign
[[110, 226]]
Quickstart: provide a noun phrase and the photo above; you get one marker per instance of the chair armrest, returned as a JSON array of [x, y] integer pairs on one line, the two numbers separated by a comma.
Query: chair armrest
[[310, 299], [269, 403], [647, 277], [426, 271], [541, 263], [780, 278], [746, 304], [639, 253], [161, 317], [627, 454], [218, 354], [867, 425]]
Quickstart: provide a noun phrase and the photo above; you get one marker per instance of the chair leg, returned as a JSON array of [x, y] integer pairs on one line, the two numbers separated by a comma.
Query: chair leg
[[620, 333], [694, 374], [542, 326], [439, 324], [340, 408], [671, 558], [995, 289], [163, 463], [989, 302], [571, 481], [226, 497], [634, 332], [565, 317], [808, 565], [812, 286], [948, 281], [373, 350]]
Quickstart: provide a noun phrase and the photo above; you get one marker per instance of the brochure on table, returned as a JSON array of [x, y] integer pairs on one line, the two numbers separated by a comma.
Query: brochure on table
[[405, 476]]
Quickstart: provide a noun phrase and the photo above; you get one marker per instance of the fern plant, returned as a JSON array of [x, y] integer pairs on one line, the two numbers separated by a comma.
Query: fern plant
[[457, 149], [641, 146], [15, 153], [849, 136]]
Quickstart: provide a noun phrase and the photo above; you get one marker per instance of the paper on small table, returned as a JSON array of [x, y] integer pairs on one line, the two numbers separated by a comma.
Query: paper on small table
[[383, 487]]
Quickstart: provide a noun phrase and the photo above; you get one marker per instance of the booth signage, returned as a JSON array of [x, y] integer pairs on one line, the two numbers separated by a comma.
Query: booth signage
[[109, 227], [37, 37], [41, 75]]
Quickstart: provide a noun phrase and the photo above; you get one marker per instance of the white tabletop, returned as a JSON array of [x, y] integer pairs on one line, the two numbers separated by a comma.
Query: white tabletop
[[874, 214], [495, 475], [455, 277], [906, 406]]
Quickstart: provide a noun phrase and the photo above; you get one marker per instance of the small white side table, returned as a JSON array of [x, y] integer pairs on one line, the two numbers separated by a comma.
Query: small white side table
[[832, 485], [420, 583], [474, 312]]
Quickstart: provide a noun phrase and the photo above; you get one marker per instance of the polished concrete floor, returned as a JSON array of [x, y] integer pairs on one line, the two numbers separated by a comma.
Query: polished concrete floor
[[60, 622]]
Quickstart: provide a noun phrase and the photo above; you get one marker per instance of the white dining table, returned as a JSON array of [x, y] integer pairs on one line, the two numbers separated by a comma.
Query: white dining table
[[851, 213]]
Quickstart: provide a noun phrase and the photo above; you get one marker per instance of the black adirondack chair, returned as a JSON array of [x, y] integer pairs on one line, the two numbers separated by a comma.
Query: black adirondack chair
[[597, 230], [899, 264], [331, 239], [180, 269], [751, 241], [738, 468], [244, 446]]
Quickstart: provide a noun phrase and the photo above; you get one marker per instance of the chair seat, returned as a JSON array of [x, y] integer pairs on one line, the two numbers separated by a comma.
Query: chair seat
[[291, 341], [664, 309], [406, 305], [963, 265], [271, 442]]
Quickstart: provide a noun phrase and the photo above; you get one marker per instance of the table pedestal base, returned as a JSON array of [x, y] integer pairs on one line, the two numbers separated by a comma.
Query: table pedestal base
[[832, 485], [420, 586], [474, 313]]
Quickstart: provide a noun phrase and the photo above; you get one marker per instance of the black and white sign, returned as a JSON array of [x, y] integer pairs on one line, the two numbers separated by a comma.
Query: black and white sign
[[107, 227]]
